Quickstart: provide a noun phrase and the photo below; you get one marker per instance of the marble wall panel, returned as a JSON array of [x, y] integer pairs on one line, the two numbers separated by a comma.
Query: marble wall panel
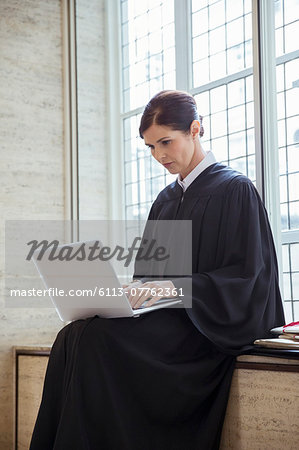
[[92, 114], [32, 155]]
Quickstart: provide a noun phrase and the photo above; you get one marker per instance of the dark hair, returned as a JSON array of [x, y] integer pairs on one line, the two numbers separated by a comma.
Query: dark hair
[[174, 109]]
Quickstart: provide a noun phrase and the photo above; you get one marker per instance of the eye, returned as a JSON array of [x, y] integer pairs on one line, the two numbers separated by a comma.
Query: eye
[[166, 142]]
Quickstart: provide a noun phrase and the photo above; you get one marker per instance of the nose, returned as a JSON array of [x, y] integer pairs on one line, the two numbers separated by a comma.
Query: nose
[[160, 154]]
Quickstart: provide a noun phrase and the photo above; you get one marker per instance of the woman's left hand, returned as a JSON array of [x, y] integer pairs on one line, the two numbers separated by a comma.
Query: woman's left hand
[[153, 290]]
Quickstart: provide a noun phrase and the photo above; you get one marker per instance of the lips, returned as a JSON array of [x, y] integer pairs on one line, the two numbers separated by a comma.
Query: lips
[[167, 164]]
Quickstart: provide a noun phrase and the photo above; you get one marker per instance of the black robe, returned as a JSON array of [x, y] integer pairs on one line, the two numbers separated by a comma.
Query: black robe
[[235, 291], [161, 381]]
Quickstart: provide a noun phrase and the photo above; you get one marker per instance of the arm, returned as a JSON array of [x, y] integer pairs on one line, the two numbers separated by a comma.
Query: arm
[[239, 300]]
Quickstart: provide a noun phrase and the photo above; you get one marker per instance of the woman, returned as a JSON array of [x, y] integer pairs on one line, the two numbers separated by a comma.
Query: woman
[[162, 380]]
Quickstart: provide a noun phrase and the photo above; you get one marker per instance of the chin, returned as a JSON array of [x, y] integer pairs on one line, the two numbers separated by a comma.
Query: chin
[[173, 171]]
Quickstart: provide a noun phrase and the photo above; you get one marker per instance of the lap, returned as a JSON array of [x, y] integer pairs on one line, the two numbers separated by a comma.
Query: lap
[[166, 334], [156, 373]]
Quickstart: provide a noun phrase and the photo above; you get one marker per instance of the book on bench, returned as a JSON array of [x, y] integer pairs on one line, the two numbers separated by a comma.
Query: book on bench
[[287, 336], [277, 343]]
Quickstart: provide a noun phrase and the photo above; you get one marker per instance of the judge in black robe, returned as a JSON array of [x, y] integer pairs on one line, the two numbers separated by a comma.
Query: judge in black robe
[[162, 380]]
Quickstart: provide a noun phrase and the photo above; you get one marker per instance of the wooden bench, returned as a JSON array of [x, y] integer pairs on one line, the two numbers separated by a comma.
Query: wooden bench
[[262, 412]]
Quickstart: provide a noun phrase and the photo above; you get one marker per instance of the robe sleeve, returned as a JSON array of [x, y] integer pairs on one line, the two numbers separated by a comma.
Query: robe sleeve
[[239, 301]]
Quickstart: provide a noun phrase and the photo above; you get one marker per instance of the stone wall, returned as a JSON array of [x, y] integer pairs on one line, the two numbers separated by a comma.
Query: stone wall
[[32, 156]]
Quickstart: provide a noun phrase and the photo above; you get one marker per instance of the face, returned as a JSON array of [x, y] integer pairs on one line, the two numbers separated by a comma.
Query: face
[[176, 151]]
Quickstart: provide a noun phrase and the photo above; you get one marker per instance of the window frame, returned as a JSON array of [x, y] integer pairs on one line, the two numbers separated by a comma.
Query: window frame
[[264, 82]]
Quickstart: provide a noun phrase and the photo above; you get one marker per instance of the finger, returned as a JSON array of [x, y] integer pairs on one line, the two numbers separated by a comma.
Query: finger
[[138, 300], [129, 290], [133, 299]]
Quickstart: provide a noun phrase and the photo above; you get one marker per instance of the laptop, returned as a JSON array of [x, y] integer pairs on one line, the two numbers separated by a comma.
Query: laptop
[[81, 288]]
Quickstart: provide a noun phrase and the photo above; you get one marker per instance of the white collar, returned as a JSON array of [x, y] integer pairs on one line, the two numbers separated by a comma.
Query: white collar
[[208, 160]]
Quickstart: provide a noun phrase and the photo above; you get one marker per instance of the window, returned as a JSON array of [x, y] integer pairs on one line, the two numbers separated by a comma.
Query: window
[[222, 79], [287, 79], [148, 66], [206, 48]]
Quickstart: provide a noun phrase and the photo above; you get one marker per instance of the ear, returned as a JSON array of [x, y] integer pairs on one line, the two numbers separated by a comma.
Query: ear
[[195, 129]]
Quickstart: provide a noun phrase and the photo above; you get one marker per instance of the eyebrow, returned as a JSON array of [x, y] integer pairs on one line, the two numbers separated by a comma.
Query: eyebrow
[[158, 140]]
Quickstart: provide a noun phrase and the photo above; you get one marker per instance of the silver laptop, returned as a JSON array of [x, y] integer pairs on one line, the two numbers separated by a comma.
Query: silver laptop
[[81, 288]]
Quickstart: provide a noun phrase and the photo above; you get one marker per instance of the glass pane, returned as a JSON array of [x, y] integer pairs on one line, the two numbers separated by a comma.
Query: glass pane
[[203, 103], [296, 309], [222, 36], [234, 32], [285, 258], [283, 189], [131, 171], [169, 59], [158, 184], [132, 212], [217, 66], [281, 131], [293, 158], [295, 257], [236, 93], [292, 73], [280, 78], [132, 193], [291, 37], [238, 164], [233, 9], [250, 142], [237, 145], [284, 217], [144, 167], [201, 72], [217, 40], [218, 124], [288, 311], [294, 215], [216, 14], [293, 130], [235, 58], [280, 105], [251, 167], [292, 102], [218, 99], [282, 160], [147, 31], [236, 119], [250, 115], [249, 89], [219, 147], [287, 286]]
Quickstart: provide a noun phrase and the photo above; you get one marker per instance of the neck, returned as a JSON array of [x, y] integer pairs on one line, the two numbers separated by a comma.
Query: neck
[[198, 156]]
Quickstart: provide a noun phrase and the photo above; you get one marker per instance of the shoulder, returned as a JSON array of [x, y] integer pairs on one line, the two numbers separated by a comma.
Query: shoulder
[[217, 180], [224, 179], [243, 185]]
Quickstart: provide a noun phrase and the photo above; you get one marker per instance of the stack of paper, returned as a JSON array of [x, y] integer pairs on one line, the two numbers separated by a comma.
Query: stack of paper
[[287, 337]]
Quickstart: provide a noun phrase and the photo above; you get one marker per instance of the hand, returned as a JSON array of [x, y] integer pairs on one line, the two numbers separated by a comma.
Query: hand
[[155, 290], [132, 284]]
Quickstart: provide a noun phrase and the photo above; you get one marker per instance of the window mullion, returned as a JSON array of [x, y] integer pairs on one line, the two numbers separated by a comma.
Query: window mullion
[[183, 42], [266, 114], [115, 132], [257, 99]]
